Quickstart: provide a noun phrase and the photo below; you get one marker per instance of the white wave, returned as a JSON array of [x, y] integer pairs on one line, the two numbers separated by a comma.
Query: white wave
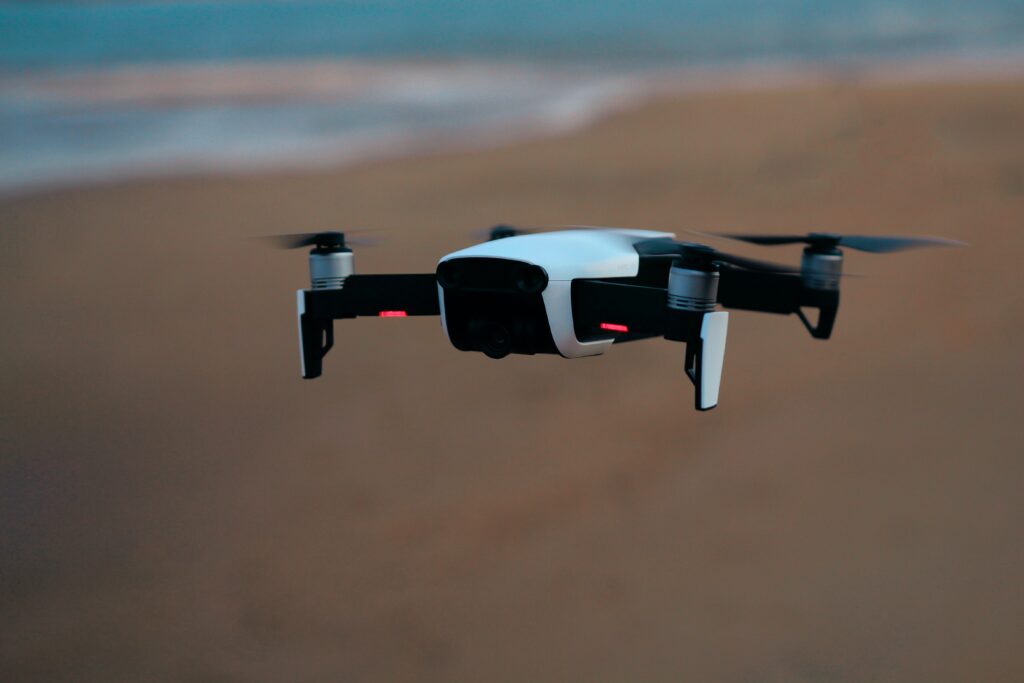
[[269, 82], [123, 121], [62, 128]]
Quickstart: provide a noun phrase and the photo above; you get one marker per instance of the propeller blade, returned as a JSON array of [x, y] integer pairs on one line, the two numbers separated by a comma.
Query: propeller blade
[[566, 226], [501, 231], [311, 239], [879, 244], [764, 240], [665, 246], [885, 245], [363, 241], [661, 246], [290, 241], [754, 264]]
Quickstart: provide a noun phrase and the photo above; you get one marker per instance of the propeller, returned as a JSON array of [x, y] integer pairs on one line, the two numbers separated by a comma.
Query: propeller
[[594, 227], [500, 232], [665, 246], [826, 240], [503, 230], [320, 240], [660, 246]]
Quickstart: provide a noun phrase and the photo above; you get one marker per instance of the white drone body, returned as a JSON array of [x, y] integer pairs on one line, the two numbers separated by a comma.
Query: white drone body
[[568, 255], [565, 256]]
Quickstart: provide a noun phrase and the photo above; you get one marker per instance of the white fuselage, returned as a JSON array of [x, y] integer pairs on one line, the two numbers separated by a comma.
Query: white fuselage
[[565, 256]]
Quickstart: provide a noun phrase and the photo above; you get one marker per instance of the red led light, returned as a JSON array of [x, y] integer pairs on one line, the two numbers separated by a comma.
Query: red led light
[[614, 327], [392, 314]]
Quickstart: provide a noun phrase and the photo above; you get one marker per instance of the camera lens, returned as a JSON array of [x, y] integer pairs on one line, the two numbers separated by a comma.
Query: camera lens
[[496, 341]]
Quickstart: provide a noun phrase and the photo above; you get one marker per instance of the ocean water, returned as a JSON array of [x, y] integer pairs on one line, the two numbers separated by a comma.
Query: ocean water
[[98, 90]]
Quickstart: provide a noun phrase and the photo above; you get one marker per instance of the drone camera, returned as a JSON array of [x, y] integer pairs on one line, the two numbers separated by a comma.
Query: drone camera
[[495, 306]]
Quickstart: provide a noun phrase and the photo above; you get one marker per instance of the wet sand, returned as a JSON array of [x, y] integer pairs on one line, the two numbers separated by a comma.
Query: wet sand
[[178, 506]]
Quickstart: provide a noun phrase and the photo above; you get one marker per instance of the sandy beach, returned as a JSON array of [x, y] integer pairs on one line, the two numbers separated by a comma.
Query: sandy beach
[[177, 505]]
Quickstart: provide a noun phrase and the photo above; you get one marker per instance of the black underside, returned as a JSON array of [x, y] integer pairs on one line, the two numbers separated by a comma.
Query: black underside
[[498, 323], [637, 302], [495, 306], [639, 309]]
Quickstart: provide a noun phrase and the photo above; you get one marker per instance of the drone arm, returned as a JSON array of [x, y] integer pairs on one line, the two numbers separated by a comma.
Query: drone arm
[[827, 303], [757, 291], [778, 293], [385, 296], [376, 295]]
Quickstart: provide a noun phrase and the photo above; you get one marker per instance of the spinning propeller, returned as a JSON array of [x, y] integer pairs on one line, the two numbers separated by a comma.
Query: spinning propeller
[[330, 260], [500, 232], [503, 230], [325, 241], [699, 256], [827, 240]]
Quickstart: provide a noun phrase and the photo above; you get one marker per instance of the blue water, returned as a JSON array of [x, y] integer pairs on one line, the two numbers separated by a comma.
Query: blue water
[[95, 89], [63, 35]]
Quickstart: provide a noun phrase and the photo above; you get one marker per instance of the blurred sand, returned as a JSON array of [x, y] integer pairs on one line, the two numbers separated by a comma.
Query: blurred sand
[[178, 506]]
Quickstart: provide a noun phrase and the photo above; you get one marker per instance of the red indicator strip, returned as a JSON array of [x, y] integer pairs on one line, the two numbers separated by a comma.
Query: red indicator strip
[[613, 327], [392, 314]]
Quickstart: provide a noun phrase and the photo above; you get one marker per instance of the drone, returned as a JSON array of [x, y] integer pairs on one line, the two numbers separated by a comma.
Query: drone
[[575, 292]]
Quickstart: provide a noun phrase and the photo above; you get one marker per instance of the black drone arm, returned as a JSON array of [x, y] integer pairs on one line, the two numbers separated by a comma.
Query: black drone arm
[[778, 293], [642, 309], [376, 295], [386, 296], [755, 291]]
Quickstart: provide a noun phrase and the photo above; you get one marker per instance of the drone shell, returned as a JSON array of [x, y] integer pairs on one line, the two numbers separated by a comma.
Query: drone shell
[[565, 256]]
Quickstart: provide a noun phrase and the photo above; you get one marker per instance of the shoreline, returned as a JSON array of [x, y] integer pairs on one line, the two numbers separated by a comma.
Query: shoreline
[[617, 96]]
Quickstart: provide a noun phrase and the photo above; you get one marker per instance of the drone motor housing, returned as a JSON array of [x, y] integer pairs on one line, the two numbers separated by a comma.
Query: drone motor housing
[[821, 268], [328, 269], [330, 260]]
